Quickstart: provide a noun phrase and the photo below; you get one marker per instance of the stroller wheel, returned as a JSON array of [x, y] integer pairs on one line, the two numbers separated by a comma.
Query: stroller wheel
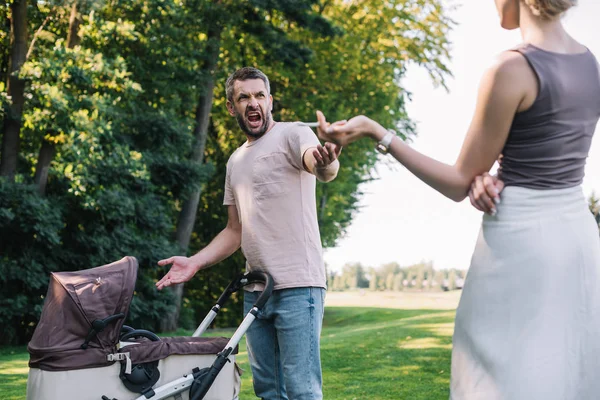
[[142, 376]]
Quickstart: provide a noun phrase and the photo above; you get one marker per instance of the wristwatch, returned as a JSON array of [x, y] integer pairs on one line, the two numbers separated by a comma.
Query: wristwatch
[[384, 144]]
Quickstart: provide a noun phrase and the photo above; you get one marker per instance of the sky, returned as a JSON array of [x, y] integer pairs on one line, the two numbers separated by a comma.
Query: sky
[[405, 221]]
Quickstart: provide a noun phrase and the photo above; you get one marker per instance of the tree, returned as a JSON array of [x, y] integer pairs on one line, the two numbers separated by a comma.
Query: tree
[[373, 281], [354, 276], [100, 201], [363, 70], [14, 89], [398, 285], [248, 18], [48, 147], [118, 131], [338, 283], [420, 276], [348, 74], [438, 279], [452, 279], [389, 282]]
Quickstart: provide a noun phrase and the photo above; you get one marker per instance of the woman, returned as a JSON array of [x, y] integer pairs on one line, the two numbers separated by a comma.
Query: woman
[[528, 323]]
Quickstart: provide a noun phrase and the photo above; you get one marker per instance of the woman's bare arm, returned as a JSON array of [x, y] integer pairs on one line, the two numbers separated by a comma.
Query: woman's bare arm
[[507, 86]]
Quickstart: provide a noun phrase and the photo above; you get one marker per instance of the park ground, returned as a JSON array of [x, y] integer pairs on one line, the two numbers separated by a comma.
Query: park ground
[[374, 346]]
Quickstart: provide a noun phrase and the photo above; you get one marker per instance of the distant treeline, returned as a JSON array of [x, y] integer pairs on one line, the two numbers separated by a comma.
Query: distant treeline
[[393, 277]]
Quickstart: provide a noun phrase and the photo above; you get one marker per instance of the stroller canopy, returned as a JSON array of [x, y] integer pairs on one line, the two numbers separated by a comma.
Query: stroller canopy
[[73, 302]]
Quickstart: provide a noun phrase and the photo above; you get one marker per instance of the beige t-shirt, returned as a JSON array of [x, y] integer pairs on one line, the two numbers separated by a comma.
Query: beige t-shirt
[[275, 200]]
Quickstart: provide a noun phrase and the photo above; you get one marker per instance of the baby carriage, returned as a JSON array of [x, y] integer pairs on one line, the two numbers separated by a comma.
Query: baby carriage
[[80, 349]]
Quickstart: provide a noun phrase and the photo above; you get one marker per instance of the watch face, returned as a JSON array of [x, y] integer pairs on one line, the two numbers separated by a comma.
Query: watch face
[[381, 148]]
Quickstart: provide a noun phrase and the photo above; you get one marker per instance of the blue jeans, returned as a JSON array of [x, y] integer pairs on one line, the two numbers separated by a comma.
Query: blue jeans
[[283, 344]]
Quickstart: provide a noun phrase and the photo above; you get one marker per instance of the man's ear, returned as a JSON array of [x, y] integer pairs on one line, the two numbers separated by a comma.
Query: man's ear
[[271, 100], [230, 108]]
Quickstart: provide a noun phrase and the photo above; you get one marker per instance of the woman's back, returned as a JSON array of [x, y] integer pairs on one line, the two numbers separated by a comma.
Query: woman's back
[[548, 144]]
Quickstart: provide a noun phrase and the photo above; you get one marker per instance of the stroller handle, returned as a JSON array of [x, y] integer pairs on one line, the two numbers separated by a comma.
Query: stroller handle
[[247, 279], [259, 277], [235, 285]]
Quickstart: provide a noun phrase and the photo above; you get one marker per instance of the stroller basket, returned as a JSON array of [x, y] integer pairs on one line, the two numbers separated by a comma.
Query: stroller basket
[[81, 350]]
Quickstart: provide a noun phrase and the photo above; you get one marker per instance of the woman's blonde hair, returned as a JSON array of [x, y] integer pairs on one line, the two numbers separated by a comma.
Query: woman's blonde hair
[[550, 9]]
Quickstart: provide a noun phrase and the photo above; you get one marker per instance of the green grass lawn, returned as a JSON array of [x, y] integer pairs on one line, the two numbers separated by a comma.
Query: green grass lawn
[[367, 353]]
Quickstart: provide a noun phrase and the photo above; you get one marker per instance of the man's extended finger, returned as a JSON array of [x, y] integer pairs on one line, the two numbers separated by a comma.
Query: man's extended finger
[[162, 263], [333, 149], [318, 157], [165, 284], [164, 278], [323, 149], [332, 153], [162, 283], [325, 153]]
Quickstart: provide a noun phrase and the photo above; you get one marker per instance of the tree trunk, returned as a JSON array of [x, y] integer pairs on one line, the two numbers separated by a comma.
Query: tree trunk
[[187, 216], [73, 38], [47, 152], [5, 63], [48, 149], [12, 121], [323, 206]]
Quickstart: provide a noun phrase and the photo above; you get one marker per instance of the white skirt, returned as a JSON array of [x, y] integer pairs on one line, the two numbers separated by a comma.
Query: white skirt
[[528, 321]]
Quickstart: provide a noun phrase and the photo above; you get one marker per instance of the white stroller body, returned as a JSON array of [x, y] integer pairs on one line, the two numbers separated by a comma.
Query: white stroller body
[[81, 350]]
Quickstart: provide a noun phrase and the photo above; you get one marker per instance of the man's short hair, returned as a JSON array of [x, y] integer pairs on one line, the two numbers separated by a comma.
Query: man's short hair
[[244, 74]]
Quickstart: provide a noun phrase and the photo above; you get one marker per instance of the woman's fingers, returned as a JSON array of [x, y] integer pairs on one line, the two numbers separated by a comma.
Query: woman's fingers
[[477, 195], [489, 183], [330, 132], [482, 196], [341, 132], [473, 201], [322, 128], [338, 123]]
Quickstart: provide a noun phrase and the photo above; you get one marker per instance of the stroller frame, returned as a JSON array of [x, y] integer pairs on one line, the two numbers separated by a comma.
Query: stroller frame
[[202, 379]]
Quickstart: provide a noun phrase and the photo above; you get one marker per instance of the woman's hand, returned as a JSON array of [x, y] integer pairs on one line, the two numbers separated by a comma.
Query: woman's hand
[[485, 193], [345, 133]]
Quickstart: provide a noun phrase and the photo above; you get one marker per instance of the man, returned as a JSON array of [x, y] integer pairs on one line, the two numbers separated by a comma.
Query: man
[[270, 197]]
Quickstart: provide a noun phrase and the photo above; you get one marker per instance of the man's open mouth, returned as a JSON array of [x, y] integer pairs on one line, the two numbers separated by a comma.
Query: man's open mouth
[[254, 119]]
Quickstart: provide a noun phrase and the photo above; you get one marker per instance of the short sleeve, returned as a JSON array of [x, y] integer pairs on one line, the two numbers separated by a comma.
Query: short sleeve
[[228, 197], [300, 138]]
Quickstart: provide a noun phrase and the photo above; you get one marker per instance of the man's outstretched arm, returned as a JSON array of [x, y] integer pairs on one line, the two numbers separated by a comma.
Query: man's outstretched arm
[[322, 161], [221, 247]]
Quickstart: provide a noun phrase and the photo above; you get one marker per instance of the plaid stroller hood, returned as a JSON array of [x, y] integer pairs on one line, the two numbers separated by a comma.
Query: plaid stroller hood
[[82, 317]]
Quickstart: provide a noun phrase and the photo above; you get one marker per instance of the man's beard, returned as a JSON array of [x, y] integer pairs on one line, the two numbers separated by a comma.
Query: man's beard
[[256, 134]]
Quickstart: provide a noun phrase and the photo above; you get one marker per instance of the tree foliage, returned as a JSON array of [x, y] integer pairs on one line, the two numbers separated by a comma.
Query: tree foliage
[[112, 110]]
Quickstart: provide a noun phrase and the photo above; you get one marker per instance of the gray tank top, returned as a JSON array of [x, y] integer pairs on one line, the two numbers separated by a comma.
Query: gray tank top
[[548, 144]]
